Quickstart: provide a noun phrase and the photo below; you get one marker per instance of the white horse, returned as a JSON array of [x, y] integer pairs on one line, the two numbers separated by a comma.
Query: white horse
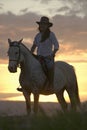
[[32, 77]]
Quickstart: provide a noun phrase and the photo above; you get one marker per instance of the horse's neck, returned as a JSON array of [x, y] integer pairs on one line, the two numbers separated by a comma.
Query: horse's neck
[[31, 70], [30, 62]]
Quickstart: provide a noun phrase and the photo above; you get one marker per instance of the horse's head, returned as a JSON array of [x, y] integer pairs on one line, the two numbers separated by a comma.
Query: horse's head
[[14, 55]]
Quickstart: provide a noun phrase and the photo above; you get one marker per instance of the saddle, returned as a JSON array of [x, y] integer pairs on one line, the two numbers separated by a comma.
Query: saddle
[[42, 62]]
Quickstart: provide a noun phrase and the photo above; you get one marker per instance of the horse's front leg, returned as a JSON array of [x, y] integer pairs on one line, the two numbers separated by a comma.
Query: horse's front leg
[[36, 100], [28, 101]]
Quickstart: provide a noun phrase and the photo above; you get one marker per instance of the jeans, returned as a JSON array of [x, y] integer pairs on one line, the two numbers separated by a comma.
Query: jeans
[[48, 67]]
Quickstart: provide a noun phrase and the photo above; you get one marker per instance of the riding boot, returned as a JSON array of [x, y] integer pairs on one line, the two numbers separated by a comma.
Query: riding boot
[[51, 77], [19, 89]]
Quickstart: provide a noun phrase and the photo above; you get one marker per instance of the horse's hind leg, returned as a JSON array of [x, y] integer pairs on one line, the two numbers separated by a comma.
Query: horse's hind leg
[[74, 99], [61, 100]]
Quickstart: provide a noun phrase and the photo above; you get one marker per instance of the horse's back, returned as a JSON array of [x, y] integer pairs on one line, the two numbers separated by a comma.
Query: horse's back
[[65, 67], [62, 64]]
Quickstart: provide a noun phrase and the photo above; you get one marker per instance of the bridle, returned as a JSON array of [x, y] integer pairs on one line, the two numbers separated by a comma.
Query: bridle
[[18, 59]]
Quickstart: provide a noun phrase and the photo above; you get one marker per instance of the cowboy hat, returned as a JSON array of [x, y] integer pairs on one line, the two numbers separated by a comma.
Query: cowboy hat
[[45, 20]]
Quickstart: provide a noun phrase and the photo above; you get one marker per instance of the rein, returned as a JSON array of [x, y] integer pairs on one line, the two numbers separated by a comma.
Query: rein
[[17, 45]]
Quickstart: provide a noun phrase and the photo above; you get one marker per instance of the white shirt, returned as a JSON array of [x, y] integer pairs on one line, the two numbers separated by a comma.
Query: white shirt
[[46, 48]]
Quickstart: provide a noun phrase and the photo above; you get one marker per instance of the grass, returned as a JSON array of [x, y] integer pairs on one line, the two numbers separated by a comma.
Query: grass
[[41, 121], [67, 121]]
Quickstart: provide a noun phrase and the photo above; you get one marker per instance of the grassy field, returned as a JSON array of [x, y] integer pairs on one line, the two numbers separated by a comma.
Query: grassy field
[[42, 121], [60, 121]]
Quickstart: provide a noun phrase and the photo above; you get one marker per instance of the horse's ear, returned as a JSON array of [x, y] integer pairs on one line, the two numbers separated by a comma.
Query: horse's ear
[[20, 40], [9, 40]]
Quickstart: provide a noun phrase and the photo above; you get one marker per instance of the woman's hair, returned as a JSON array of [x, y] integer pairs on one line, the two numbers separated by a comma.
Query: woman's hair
[[45, 35]]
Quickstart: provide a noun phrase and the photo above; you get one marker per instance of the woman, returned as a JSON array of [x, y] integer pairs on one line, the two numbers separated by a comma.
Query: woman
[[47, 46]]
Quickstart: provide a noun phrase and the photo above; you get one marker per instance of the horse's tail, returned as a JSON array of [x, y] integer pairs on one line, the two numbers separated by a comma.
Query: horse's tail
[[71, 85], [76, 91], [71, 78]]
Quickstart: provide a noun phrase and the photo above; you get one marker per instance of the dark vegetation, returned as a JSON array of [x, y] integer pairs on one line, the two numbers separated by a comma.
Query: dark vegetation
[[41, 121]]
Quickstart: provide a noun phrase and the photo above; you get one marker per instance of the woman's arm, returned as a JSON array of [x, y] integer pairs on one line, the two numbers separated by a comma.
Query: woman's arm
[[33, 48]]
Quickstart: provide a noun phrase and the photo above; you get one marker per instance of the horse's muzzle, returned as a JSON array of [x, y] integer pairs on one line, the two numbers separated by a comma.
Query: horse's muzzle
[[12, 69]]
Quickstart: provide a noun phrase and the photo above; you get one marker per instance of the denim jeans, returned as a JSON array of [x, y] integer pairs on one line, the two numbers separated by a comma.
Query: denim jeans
[[47, 64]]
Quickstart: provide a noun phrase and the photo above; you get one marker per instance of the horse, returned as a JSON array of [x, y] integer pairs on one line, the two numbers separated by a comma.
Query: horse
[[32, 78]]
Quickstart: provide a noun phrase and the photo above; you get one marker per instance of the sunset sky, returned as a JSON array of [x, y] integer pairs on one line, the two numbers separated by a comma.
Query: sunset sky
[[18, 20]]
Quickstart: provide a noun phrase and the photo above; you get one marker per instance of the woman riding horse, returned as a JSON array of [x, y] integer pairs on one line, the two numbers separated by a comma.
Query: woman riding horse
[[44, 42], [32, 78]]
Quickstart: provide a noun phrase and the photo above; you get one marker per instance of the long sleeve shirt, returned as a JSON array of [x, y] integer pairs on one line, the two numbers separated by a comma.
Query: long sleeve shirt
[[46, 47]]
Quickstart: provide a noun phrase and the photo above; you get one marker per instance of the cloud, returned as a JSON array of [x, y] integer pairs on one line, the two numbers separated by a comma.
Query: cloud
[[78, 7], [47, 7], [64, 8], [25, 10], [71, 31], [45, 1], [1, 6], [4, 96], [16, 27]]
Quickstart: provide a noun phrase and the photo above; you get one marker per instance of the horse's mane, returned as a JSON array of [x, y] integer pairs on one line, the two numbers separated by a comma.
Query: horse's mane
[[35, 56], [25, 47]]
